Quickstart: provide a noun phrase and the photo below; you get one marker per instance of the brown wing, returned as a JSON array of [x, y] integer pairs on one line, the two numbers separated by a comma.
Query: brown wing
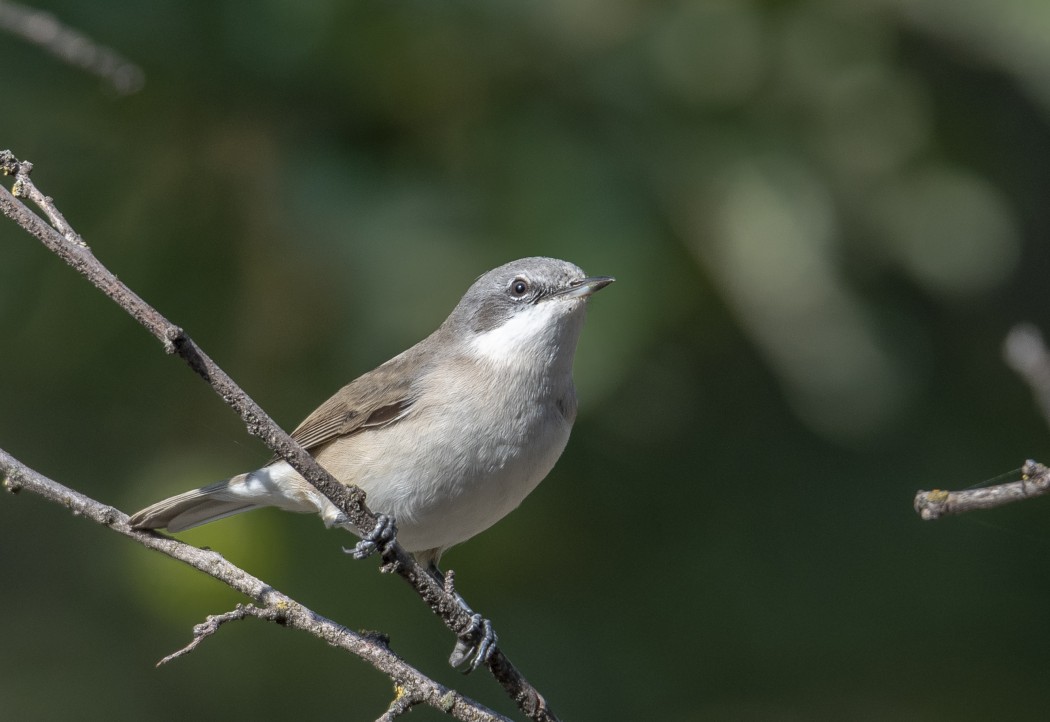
[[378, 398]]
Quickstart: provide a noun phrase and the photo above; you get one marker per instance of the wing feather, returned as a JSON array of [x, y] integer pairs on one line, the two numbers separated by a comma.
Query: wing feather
[[378, 398]]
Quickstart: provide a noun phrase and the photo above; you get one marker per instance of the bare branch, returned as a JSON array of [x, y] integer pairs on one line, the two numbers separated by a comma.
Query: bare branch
[[211, 625], [273, 605], [68, 245], [1035, 481], [46, 31]]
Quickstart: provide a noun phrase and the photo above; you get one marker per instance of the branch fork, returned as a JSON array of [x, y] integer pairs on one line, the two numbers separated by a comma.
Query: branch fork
[[212, 623]]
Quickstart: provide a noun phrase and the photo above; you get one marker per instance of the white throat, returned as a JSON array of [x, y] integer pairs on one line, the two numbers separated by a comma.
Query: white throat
[[542, 332]]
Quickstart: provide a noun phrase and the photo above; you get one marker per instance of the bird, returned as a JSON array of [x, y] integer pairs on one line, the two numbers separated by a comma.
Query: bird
[[447, 437]]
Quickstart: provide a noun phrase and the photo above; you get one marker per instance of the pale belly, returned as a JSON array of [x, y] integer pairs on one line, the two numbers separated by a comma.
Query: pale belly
[[455, 480]]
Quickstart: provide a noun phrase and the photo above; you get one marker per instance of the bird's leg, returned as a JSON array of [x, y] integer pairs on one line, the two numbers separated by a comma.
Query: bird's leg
[[377, 540], [478, 641]]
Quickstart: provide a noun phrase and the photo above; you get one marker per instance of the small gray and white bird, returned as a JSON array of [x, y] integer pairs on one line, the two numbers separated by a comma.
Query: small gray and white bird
[[446, 438]]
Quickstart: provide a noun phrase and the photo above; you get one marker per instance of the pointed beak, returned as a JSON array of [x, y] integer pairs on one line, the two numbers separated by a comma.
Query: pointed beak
[[583, 287]]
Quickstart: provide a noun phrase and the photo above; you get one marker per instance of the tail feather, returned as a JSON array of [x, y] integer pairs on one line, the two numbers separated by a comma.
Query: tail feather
[[192, 508]]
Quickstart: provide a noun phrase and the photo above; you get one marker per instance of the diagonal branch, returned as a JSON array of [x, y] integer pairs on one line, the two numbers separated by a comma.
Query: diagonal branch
[[69, 246], [272, 604], [72, 46]]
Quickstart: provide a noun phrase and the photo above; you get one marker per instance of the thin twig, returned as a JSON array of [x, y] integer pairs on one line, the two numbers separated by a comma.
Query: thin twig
[[1025, 352], [72, 46], [273, 605], [68, 245], [1035, 481], [211, 625]]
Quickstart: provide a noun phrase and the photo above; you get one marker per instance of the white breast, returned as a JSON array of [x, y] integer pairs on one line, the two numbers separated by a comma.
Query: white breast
[[446, 474]]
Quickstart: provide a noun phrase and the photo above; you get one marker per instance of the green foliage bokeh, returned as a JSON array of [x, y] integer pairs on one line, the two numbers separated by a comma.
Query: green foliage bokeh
[[823, 218]]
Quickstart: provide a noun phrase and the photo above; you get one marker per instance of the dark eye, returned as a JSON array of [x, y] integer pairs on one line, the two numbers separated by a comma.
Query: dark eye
[[519, 287]]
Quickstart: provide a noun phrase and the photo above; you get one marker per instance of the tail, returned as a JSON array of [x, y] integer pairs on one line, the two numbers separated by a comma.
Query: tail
[[196, 507]]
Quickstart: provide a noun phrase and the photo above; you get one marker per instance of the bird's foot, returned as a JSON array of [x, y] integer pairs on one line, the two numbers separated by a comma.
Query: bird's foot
[[478, 641], [377, 540], [476, 644]]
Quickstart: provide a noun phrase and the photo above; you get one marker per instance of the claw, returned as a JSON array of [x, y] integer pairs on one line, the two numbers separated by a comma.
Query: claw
[[377, 540], [478, 641], [475, 644], [486, 646]]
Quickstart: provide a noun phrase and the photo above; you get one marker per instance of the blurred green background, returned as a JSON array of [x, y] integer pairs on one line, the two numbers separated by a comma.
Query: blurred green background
[[823, 218]]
